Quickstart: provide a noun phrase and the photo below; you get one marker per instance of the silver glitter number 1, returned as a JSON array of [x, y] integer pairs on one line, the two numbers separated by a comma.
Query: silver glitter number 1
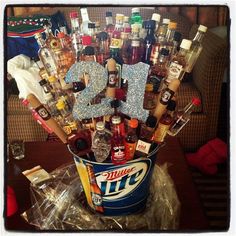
[[136, 76]]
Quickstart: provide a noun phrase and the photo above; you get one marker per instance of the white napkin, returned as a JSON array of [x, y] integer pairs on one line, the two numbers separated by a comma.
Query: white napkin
[[26, 75]]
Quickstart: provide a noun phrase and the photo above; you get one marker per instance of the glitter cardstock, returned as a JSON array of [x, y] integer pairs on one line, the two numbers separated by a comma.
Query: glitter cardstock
[[137, 77], [97, 82]]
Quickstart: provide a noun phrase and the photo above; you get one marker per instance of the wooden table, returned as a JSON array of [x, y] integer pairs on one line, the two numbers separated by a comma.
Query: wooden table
[[51, 155]]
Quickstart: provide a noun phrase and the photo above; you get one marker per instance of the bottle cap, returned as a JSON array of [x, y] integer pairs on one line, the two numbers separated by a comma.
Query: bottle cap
[[135, 9], [42, 82], [86, 40], [151, 121], [135, 43], [100, 125], [89, 50], [171, 105], [164, 52], [172, 25], [78, 86], [151, 24], [116, 120], [202, 28], [177, 36], [186, 44], [48, 96], [61, 35], [52, 79], [133, 123], [25, 102], [119, 17], [115, 103], [91, 25], [60, 105], [149, 87], [166, 21], [74, 14], [108, 13], [126, 19], [103, 36], [196, 101], [156, 17]]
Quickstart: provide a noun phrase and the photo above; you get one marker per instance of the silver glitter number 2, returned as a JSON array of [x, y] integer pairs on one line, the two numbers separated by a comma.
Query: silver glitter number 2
[[136, 75], [98, 81]]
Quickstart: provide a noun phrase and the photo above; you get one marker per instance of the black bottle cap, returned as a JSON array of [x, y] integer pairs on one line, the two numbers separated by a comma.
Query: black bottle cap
[[91, 25], [108, 13], [164, 52], [43, 82], [150, 24], [89, 50], [177, 36], [81, 144], [151, 121], [78, 86], [115, 103], [171, 105], [102, 36]]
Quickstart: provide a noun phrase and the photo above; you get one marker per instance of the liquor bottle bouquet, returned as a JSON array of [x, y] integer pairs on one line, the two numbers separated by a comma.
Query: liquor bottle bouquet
[[110, 94]]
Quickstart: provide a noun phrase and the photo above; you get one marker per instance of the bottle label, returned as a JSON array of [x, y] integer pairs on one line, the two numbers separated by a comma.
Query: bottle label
[[166, 96], [116, 43], [161, 132], [174, 71], [43, 112], [119, 153], [97, 199], [143, 147], [130, 150], [112, 78]]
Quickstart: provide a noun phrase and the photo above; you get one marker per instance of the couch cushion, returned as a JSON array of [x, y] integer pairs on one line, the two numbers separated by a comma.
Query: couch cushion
[[185, 94]]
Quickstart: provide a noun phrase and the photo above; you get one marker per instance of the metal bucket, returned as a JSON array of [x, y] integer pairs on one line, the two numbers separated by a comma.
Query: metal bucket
[[116, 189]]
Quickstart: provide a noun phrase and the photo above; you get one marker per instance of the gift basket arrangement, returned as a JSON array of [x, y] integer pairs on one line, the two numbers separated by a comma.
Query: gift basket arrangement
[[110, 96]]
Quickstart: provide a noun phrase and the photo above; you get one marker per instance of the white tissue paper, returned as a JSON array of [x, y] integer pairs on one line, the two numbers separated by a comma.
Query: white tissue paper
[[26, 75]]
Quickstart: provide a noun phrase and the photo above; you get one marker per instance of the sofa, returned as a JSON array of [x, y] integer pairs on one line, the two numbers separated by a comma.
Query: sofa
[[204, 82]]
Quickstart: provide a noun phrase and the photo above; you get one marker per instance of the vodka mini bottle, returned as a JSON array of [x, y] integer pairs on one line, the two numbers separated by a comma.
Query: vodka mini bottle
[[195, 48], [85, 20], [156, 17], [46, 56]]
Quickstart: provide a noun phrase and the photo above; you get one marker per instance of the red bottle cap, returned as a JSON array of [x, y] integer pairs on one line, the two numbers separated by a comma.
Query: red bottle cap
[[74, 14], [133, 123], [86, 40], [196, 101], [61, 35]]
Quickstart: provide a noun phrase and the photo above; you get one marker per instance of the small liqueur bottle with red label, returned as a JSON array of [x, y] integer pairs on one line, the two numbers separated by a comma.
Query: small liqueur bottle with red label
[[178, 62], [131, 139], [117, 143], [165, 123], [182, 117]]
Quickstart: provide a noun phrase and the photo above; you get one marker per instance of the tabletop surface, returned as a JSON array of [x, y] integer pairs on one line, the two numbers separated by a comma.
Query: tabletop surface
[[51, 155]]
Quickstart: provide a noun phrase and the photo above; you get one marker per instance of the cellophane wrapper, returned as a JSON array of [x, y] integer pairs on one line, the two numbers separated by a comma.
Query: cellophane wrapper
[[59, 203]]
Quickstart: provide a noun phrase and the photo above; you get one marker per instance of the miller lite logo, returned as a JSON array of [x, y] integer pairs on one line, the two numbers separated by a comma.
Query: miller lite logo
[[118, 182]]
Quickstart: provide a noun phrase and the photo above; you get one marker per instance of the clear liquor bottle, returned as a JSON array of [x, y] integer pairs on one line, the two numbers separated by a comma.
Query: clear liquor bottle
[[85, 20], [156, 17], [195, 48], [46, 56]]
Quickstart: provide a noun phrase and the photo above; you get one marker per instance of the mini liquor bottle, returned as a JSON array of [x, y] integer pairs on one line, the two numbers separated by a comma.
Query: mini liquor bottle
[[125, 49], [195, 48], [165, 123], [109, 25], [147, 129], [170, 35], [85, 20], [103, 47], [182, 117], [136, 18], [164, 26], [176, 43], [46, 56], [149, 41], [117, 143], [135, 52], [131, 139], [119, 23], [149, 102], [178, 62], [156, 17]]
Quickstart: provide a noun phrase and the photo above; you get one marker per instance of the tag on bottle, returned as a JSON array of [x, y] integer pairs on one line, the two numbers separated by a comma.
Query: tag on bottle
[[143, 147], [174, 71], [36, 175]]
